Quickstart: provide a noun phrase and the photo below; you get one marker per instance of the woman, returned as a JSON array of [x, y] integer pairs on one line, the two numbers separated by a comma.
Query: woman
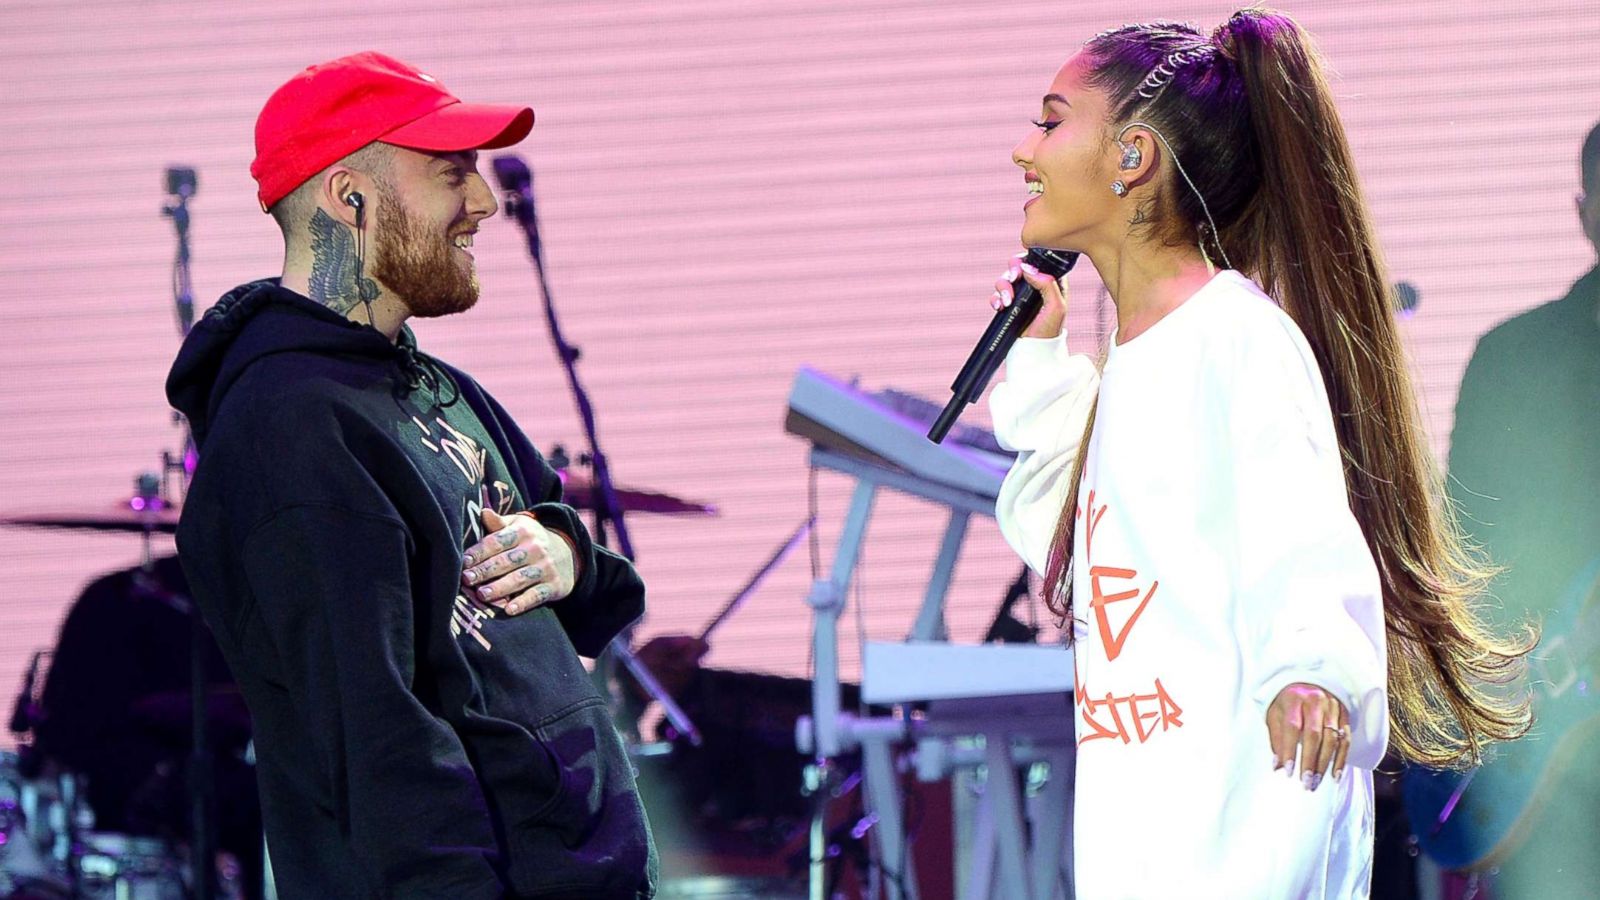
[[1238, 515]]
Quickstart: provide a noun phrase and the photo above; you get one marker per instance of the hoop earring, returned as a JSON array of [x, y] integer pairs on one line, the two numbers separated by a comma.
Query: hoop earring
[[1118, 188]]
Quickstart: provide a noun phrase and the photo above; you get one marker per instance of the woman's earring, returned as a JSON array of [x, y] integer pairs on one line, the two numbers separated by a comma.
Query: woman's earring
[[1118, 188]]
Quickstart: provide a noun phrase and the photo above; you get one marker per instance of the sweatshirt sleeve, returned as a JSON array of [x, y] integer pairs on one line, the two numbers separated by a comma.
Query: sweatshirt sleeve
[[1039, 411], [1308, 597], [609, 594], [333, 591]]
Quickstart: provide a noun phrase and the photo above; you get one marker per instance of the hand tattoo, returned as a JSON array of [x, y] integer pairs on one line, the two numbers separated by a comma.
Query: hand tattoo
[[336, 278]]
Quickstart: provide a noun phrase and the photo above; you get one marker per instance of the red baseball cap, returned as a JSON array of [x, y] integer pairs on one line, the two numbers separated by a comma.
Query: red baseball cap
[[333, 109]]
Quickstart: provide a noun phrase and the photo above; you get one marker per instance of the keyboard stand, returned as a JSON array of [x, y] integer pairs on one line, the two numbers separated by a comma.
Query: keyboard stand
[[995, 856]]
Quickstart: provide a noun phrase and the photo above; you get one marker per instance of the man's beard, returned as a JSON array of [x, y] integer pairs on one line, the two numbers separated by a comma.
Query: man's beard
[[419, 268]]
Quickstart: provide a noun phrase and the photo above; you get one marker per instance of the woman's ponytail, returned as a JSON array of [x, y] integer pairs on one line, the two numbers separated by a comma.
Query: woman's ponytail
[[1310, 241]]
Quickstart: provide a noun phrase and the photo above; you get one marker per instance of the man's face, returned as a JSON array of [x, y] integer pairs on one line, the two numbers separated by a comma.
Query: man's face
[[1589, 209], [429, 207]]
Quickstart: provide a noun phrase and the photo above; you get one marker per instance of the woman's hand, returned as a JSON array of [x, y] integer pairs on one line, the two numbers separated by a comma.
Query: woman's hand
[[1054, 311], [1307, 718], [520, 565]]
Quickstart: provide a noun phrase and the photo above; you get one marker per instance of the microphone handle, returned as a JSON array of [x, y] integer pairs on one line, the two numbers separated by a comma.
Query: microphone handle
[[986, 357], [1007, 325], [1004, 328]]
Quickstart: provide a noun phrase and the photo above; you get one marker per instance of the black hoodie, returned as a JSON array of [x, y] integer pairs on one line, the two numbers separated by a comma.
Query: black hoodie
[[410, 742]]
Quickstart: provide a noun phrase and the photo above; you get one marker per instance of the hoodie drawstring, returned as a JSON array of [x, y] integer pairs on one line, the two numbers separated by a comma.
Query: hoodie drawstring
[[418, 370]]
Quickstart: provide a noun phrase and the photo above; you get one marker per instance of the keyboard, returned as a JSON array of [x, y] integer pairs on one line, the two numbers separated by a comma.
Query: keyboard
[[890, 428]]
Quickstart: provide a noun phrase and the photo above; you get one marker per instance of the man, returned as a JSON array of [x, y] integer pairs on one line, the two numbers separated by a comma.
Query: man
[[382, 554], [1525, 470]]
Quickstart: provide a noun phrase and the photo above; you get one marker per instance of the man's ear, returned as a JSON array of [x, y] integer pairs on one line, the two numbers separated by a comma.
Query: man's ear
[[337, 186]]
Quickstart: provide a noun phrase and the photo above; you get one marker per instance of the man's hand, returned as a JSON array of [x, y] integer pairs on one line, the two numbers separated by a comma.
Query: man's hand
[[1308, 718], [520, 565]]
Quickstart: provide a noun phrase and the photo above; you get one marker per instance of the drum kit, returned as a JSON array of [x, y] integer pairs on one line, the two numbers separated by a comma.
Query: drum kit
[[49, 848]]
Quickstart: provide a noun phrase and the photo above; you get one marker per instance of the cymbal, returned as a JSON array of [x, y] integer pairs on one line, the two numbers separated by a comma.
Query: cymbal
[[578, 490], [126, 515], [122, 516]]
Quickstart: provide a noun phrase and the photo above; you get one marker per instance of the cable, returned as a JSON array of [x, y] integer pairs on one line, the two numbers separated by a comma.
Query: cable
[[816, 542]]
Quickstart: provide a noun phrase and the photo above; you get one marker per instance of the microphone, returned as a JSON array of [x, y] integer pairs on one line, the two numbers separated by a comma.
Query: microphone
[[516, 180], [1004, 329], [181, 186]]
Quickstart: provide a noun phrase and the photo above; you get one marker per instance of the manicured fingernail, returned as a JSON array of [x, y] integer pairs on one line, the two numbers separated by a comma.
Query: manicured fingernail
[[1030, 270], [994, 301], [1312, 780], [1012, 273], [1291, 768], [1336, 773]]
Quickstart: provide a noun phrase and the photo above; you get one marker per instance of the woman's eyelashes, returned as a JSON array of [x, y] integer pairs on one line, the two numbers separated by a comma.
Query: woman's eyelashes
[[1045, 125]]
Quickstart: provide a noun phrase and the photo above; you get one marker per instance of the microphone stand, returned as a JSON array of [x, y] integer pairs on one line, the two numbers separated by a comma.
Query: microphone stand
[[516, 179], [181, 185]]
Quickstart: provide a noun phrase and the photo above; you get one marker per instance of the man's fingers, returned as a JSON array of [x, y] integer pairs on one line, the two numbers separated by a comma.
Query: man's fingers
[[495, 543], [500, 564], [534, 597], [519, 580]]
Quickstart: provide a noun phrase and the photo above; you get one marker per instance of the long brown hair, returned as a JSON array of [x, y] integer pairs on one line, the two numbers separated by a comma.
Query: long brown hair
[[1249, 112]]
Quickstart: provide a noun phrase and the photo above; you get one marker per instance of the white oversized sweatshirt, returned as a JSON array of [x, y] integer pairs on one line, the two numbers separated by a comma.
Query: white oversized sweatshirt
[[1216, 561]]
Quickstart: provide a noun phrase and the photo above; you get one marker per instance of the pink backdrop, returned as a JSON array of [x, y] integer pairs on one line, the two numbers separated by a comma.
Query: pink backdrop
[[728, 190]]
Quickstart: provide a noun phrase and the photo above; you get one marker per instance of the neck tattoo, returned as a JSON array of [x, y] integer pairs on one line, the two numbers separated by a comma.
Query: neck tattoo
[[336, 279]]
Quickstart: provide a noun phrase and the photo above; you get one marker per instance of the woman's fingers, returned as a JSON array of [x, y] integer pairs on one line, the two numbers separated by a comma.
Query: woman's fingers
[[1283, 728], [1053, 311], [1308, 725], [1343, 755], [1004, 289], [1330, 736]]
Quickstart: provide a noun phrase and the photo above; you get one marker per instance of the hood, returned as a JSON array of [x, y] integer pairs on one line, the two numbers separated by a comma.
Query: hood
[[259, 319]]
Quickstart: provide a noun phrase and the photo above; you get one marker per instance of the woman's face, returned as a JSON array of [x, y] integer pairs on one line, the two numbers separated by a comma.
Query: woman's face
[[1070, 163]]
